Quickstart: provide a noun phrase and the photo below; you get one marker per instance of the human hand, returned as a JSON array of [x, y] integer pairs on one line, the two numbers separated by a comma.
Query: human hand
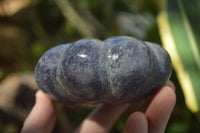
[[154, 120]]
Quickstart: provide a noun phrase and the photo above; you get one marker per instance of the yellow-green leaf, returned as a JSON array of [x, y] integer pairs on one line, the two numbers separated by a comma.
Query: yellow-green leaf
[[179, 25]]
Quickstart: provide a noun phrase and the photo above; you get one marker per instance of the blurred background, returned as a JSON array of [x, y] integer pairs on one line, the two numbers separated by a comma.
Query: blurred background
[[30, 27]]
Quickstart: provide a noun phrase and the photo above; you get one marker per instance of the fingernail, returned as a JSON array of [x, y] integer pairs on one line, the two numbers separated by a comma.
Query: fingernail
[[40, 94], [171, 85]]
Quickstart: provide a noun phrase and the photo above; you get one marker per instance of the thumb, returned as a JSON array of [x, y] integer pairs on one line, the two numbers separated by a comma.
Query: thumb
[[42, 117]]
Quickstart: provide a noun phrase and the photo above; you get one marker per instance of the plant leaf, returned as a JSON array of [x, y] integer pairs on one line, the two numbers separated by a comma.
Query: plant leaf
[[179, 25]]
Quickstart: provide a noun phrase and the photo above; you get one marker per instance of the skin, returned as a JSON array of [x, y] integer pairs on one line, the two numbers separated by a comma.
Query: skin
[[153, 120]]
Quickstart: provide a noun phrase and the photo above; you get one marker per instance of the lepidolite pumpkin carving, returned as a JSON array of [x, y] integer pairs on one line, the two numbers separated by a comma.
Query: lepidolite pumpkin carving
[[118, 70]]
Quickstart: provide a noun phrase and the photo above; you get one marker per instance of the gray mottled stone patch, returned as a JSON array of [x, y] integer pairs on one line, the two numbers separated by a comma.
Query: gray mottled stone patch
[[119, 70]]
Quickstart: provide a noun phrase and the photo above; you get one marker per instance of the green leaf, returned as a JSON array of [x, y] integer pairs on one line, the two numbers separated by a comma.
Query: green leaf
[[179, 25]]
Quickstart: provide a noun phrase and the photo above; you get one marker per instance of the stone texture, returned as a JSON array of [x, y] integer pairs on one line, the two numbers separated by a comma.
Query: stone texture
[[118, 70]]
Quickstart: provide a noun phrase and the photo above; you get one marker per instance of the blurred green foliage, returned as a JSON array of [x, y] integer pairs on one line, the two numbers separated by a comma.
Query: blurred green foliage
[[43, 24]]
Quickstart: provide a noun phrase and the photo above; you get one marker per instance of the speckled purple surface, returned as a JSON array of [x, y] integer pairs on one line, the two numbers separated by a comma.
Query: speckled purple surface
[[117, 70]]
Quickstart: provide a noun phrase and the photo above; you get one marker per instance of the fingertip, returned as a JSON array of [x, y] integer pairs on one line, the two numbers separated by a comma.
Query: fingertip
[[169, 96], [136, 123], [160, 109], [41, 97], [40, 93], [42, 117], [171, 84], [106, 114], [102, 118]]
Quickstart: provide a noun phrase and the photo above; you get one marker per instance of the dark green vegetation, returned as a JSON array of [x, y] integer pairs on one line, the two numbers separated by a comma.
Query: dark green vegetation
[[42, 24]]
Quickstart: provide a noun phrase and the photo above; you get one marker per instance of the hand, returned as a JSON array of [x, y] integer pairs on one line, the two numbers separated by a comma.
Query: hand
[[43, 115]]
